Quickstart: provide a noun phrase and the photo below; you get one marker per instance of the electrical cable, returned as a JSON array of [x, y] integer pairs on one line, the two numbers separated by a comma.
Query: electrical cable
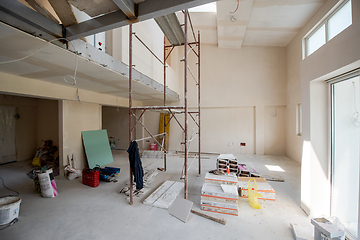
[[47, 43], [237, 7], [17, 193]]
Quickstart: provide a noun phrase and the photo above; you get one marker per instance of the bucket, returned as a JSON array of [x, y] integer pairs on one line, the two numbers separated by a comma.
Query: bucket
[[153, 146], [9, 209]]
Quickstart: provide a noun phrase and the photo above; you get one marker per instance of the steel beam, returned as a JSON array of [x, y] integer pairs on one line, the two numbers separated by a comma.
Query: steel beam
[[127, 6], [146, 10], [22, 17]]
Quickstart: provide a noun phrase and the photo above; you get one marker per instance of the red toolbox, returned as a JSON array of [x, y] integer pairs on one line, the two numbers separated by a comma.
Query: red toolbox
[[90, 177]]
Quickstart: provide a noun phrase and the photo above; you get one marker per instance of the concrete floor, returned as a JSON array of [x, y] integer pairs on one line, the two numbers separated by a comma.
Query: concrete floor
[[82, 212]]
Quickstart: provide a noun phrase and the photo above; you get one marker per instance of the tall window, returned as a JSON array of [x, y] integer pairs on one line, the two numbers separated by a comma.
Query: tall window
[[345, 124], [335, 23]]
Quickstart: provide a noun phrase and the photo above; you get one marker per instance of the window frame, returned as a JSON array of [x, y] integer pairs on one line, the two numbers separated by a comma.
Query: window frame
[[324, 21]]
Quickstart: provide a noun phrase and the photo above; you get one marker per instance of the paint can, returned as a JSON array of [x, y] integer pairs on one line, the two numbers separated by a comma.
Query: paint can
[[9, 209], [153, 146]]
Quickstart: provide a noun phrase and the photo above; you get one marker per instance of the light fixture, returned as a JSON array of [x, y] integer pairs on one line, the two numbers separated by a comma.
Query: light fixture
[[233, 19]]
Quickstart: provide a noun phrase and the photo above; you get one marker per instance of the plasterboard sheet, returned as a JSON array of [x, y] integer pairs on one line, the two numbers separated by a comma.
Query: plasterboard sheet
[[97, 148], [181, 209], [164, 195]]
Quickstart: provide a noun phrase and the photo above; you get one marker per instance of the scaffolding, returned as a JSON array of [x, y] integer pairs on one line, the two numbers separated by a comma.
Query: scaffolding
[[195, 48]]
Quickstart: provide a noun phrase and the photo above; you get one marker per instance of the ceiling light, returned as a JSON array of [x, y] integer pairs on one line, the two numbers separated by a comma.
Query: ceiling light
[[233, 19]]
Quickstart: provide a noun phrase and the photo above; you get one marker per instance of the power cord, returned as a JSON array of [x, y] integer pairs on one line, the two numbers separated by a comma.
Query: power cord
[[73, 81]]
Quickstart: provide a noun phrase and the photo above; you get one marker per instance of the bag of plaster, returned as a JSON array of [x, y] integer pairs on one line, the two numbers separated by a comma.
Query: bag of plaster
[[253, 194], [73, 172], [47, 184]]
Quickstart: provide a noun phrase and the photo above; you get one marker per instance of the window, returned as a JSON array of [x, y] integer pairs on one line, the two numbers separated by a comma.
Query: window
[[316, 40], [339, 21], [345, 155], [333, 23]]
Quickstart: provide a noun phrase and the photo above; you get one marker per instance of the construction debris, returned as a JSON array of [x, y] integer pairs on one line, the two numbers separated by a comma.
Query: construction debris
[[301, 232], [208, 216], [148, 178], [324, 229]]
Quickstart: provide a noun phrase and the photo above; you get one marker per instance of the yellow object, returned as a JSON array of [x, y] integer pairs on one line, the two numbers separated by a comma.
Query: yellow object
[[36, 162], [166, 117], [253, 194]]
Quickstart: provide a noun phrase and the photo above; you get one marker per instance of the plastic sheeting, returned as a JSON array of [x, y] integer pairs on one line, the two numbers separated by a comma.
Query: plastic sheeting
[[7, 134]]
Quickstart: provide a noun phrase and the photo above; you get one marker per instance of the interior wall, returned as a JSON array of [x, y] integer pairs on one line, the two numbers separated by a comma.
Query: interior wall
[[75, 118], [275, 130], [232, 82], [339, 55], [48, 121], [116, 122]]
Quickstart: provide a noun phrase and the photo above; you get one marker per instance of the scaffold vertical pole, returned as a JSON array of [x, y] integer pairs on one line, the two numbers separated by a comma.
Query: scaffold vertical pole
[[186, 107], [199, 104], [165, 146], [130, 108]]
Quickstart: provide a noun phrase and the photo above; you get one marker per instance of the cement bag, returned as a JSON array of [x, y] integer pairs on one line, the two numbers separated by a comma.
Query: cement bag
[[253, 194], [47, 184]]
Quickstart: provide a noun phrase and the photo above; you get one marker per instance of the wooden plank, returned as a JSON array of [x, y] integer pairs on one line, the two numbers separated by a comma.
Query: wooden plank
[[64, 11], [41, 9], [210, 217]]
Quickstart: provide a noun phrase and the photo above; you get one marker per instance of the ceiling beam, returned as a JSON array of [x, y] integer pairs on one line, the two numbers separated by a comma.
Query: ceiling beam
[[146, 10], [22, 17], [35, 4], [64, 11], [127, 6]]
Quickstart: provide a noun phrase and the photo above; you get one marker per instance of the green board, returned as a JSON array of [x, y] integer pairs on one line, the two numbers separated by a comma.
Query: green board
[[97, 148]]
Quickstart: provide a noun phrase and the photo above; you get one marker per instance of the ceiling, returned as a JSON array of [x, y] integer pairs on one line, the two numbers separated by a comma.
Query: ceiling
[[235, 23], [53, 63], [254, 22]]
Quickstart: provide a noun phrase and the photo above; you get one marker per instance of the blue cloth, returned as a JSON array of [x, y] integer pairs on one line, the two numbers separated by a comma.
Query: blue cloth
[[135, 164]]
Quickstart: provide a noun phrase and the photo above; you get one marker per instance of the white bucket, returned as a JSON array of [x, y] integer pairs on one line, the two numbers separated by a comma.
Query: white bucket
[[9, 209]]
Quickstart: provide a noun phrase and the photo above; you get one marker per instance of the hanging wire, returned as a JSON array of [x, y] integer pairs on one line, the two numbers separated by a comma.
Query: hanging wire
[[355, 117], [73, 77], [17, 193], [237, 7]]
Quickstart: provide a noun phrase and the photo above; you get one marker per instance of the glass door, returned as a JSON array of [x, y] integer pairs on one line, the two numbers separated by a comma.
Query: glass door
[[345, 153]]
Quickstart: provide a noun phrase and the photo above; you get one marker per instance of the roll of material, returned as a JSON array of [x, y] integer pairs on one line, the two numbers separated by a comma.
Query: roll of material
[[47, 184]]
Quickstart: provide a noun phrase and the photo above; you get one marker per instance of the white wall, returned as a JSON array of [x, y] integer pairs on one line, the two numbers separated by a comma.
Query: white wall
[[236, 87], [75, 118], [338, 56]]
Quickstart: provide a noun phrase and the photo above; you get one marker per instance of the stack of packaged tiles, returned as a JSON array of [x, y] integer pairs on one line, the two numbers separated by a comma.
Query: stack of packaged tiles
[[227, 160], [220, 194]]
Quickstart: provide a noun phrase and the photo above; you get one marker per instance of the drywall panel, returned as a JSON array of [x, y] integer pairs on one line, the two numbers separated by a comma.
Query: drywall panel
[[76, 117], [275, 130]]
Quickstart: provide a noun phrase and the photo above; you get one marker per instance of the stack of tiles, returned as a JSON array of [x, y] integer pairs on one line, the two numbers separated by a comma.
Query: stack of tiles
[[219, 194], [263, 188], [227, 160]]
